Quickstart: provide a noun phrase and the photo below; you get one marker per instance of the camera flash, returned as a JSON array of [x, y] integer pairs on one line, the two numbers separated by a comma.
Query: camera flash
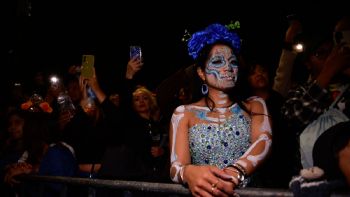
[[54, 79], [299, 47]]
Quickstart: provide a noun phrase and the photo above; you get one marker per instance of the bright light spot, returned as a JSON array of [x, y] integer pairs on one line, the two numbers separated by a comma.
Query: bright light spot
[[54, 79], [299, 47]]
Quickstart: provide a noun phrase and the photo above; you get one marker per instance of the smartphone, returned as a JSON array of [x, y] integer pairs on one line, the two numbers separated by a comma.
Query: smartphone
[[135, 51], [87, 66]]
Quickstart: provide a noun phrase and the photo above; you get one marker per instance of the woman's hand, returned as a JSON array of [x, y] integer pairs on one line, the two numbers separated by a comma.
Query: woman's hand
[[134, 65], [16, 169], [93, 83], [208, 181], [83, 84], [293, 30]]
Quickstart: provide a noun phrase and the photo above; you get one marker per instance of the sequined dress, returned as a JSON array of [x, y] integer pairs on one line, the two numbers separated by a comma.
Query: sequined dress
[[220, 144]]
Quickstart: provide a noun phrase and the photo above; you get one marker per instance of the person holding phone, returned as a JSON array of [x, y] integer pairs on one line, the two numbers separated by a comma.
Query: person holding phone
[[135, 63], [131, 151], [87, 66], [136, 52]]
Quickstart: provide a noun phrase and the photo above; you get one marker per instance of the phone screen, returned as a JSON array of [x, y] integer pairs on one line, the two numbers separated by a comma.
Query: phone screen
[[87, 67], [135, 51]]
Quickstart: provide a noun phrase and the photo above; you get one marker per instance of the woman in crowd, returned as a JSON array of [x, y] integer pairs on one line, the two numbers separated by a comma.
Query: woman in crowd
[[135, 146], [219, 140]]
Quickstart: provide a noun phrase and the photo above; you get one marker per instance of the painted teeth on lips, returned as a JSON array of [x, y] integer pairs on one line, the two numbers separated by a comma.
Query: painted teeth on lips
[[226, 77]]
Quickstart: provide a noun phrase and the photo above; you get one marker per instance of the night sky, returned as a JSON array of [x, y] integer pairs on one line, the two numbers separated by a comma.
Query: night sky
[[57, 33]]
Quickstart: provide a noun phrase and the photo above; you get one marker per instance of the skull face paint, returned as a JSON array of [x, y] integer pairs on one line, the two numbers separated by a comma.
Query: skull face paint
[[222, 68]]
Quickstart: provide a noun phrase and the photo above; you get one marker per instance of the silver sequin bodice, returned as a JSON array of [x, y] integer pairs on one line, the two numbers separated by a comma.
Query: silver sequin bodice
[[220, 144]]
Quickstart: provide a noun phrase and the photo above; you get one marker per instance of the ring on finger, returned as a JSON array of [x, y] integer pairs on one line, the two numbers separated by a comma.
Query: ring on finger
[[212, 189], [215, 184]]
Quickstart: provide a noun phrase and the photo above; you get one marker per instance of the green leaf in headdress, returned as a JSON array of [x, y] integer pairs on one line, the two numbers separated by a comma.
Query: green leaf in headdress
[[186, 36], [233, 25]]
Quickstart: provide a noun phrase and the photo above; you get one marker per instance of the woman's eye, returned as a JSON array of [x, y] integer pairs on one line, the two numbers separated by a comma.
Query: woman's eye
[[233, 62], [217, 61]]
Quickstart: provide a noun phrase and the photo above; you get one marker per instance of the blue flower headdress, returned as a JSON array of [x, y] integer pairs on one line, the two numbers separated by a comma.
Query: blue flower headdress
[[213, 33]]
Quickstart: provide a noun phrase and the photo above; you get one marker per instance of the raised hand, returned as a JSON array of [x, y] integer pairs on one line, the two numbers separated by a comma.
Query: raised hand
[[134, 65]]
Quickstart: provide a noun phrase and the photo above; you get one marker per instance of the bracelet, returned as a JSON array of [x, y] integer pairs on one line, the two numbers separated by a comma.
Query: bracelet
[[240, 176], [239, 168], [182, 170], [236, 180], [242, 173]]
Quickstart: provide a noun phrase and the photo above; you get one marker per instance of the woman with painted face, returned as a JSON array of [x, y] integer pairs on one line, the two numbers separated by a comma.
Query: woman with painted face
[[218, 141]]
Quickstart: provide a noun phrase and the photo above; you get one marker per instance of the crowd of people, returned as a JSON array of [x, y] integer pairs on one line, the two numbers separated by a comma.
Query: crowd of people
[[224, 122]]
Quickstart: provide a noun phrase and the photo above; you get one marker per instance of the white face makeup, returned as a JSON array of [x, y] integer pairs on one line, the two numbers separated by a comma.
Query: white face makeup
[[222, 68]]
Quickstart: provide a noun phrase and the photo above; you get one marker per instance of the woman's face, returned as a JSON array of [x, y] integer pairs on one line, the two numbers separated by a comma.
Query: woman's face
[[221, 68], [141, 102], [259, 77], [318, 58], [15, 126]]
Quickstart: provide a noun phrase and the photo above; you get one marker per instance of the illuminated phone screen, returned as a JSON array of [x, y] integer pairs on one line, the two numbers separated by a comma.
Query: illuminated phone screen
[[87, 66], [135, 51]]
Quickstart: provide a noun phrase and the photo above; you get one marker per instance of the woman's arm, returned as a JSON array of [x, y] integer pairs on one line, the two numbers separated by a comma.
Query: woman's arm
[[179, 153], [261, 140]]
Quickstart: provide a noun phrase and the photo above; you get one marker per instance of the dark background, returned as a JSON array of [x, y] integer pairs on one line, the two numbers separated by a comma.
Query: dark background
[[51, 35]]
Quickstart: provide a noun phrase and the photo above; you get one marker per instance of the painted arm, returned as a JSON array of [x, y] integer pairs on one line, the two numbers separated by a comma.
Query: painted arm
[[261, 137], [179, 155]]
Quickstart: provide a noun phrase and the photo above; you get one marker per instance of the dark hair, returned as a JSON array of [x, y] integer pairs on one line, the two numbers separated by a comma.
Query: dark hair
[[37, 132], [248, 69]]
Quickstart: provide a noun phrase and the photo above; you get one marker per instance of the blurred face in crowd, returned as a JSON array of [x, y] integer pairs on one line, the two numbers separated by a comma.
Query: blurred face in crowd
[[342, 36], [141, 102], [115, 99], [15, 126], [258, 77], [318, 57], [74, 91]]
